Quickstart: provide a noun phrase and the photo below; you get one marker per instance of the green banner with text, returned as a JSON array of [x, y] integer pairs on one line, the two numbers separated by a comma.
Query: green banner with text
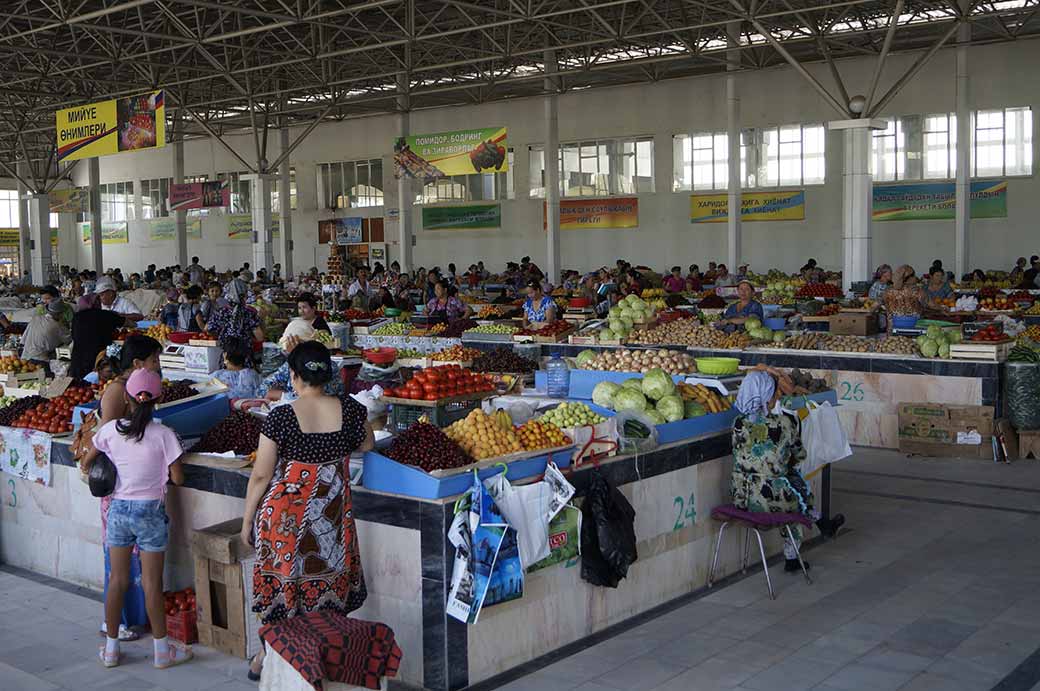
[[469, 217]]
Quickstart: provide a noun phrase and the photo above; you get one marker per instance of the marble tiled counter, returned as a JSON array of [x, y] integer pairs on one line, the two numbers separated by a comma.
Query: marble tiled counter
[[55, 530]]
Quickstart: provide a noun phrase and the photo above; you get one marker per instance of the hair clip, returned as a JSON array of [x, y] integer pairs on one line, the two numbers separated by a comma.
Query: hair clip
[[315, 365], [143, 397]]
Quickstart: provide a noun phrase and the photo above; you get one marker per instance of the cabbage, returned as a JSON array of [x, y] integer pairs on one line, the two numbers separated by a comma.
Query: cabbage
[[930, 348], [584, 356], [629, 313], [614, 312], [635, 383], [944, 350], [752, 323], [632, 300], [627, 321], [629, 399], [694, 409], [778, 337], [671, 406], [656, 416], [603, 394], [607, 335], [616, 325], [920, 340], [934, 332], [954, 337], [657, 384]]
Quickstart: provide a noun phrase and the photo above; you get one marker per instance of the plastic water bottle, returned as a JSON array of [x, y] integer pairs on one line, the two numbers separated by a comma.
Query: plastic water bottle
[[557, 376]]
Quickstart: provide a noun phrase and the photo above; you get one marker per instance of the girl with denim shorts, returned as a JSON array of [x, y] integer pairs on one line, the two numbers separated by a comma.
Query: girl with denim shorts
[[146, 454]]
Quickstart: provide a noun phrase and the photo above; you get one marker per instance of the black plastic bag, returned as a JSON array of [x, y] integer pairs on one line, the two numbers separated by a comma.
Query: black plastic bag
[[102, 476], [608, 535]]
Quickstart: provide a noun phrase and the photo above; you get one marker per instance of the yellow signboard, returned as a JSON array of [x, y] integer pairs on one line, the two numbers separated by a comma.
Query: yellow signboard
[[9, 237], [110, 127], [754, 206]]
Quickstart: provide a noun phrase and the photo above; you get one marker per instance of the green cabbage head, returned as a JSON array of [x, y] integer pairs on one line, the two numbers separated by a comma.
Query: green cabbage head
[[629, 399], [657, 384], [603, 394], [671, 406]]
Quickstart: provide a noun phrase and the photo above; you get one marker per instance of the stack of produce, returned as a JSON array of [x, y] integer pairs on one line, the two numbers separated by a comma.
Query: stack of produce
[[735, 340], [624, 360], [828, 310], [6, 401], [847, 344], [457, 327], [1023, 353], [711, 301], [755, 329], [482, 436], [1033, 333], [445, 381], [159, 332], [622, 317], [655, 395], [680, 332], [427, 447], [55, 415], [410, 354], [802, 341], [903, 304], [176, 390], [708, 400], [1034, 310], [988, 334], [536, 434], [358, 315], [238, 432], [435, 330], [549, 330], [14, 410], [897, 345], [496, 329], [392, 329], [819, 290], [780, 292], [14, 365], [997, 303], [571, 414], [503, 360], [456, 354]]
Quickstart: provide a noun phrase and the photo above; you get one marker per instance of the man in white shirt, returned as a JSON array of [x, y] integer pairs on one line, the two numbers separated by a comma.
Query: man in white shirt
[[44, 333], [361, 291], [196, 274], [106, 290]]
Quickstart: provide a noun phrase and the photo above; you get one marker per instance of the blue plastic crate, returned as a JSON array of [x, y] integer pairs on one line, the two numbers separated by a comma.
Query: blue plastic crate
[[583, 381], [189, 419], [387, 475], [144, 324], [775, 323]]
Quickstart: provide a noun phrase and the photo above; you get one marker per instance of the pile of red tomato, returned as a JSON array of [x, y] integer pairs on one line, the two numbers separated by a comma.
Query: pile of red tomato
[[55, 416], [180, 601], [446, 381], [989, 334]]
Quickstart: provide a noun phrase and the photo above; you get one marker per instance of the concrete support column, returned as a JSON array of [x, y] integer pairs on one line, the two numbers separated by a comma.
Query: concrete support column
[[263, 252], [733, 235], [40, 236], [24, 244], [552, 169], [180, 217], [94, 182], [285, 202], [404, 183], [858, 197], [962, 217]]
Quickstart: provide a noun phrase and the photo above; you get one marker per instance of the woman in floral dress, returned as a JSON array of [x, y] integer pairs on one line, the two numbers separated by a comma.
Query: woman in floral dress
[[298, 506]]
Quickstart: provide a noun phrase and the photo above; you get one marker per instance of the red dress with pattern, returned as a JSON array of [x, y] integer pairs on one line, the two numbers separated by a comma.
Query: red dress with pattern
[[306, 543]]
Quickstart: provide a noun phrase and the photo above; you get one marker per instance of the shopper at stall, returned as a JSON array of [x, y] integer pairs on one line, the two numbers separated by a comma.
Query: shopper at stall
[[360, 292], [724, 278], [237, 325], [539, 309], [106, 290], [305, 445], [104, 370], [195, 272], [882, 282], [92, 331], [674, 282], [446, 305], [242, 381], [746, 306], [307, 308], [44, 333], [937, 288], [213, 302], [168, 313], [279, 384], [904, 298], [146, 456]]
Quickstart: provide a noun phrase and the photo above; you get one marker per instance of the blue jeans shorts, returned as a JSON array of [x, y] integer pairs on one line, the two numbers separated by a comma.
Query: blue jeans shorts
[[140, 522]]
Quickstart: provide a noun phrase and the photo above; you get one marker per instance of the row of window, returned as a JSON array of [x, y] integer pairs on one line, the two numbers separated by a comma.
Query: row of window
[[10, 210]]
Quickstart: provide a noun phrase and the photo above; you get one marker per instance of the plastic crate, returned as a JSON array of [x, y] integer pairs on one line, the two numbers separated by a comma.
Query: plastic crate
[[183, 626], [403, 416]]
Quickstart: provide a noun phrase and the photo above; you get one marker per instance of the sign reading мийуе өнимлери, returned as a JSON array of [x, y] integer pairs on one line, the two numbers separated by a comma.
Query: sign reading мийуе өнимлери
[[462, 152], [928, 201], [109, 127]]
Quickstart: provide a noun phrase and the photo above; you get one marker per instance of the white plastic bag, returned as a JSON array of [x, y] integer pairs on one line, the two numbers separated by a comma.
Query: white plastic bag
[[824, 438], [632, 444], [530, 508]]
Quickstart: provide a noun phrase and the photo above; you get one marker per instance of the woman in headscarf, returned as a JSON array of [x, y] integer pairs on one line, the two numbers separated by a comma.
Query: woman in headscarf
[[904, 298], [767, 448], [237, 325], [882, 281]]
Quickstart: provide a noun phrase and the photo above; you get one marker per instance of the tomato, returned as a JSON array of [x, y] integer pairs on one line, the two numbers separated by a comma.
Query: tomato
[[429, 397]]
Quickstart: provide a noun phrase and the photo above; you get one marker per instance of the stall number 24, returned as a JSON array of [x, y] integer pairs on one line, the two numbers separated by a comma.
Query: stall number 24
[[684, 512]]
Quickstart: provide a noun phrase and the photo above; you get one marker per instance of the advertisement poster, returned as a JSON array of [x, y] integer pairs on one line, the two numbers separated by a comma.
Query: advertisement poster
[[195, 228], [162, 229], [110, 127], [239, 226], [936, 201], [469, 217], [586, 214], [438, 155], [112, 232], [754, 206], [340, 231], [200, 195], [75, 200]]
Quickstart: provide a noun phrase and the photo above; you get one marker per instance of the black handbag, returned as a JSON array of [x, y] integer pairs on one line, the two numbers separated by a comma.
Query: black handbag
[[102, 476]]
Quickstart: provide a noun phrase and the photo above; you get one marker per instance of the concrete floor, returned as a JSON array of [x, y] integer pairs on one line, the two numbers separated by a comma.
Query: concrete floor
[[936, 586]]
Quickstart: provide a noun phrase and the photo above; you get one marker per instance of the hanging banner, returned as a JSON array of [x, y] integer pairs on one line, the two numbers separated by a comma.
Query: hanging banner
[[75, 200], [587, 214], [162, 229], [239, 226], [112, 232], [469, 217], [754, 206], [431, 156], [26, 453], [9, 237], [110, 127], [931, 201], [195, 228], [200, 195], [340, 231]]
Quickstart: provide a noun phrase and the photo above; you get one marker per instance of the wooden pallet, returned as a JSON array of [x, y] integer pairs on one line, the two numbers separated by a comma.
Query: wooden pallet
[[990, 352]]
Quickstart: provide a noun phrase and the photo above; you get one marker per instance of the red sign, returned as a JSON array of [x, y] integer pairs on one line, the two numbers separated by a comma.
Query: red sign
[[200, 195]]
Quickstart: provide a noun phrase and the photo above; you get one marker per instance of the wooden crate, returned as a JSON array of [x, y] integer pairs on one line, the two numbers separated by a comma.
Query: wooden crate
[[990, 352], [219, 588]]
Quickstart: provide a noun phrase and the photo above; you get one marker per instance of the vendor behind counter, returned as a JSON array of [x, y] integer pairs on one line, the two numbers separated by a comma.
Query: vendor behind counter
[[745, 307]]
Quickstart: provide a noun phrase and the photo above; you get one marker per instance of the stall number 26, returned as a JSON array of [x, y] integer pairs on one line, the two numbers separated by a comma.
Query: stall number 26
[[684, 512], [848, 391]]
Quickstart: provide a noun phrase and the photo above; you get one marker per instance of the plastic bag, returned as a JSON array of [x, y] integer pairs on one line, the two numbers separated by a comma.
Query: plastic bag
[[564, 538], [530, 508], [102, 476], [608, 536], [630, 443], [372, 401], [823, 437]]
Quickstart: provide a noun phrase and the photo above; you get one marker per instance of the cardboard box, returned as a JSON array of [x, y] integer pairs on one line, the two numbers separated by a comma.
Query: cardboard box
[[1029, 443], [854, 324], [220, 587], [934, 429]]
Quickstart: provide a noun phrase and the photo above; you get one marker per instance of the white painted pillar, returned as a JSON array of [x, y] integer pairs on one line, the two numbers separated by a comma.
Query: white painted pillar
[[404, 183], [552, 169], [733, 234], [180, 217], [40, 237], [285, 219], [858, 197], [24, 244], [962, 216], [96, 246], [263, 253]]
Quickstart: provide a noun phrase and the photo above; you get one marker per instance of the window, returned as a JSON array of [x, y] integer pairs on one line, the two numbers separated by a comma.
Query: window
[[241, 192], [597, 168], [155, 196], [477, 187], [117, 201], [788, 155], [9, 211], [351, 184], [916, 147], [276, 206]]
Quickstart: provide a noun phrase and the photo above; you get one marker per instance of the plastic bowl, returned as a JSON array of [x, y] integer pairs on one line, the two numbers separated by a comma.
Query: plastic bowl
[[717, 365], [380, 356], [392, 312], [578, 303], [182, 337]]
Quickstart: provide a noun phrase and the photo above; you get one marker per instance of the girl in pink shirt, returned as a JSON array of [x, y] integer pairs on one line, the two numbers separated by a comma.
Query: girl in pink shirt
[[146, 454]]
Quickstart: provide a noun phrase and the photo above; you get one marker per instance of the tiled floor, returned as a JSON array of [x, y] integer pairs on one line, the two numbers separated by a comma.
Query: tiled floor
[[935, 588]]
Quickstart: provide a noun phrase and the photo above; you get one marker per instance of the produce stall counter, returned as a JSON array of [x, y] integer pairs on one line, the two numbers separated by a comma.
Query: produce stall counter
[[408, 561]]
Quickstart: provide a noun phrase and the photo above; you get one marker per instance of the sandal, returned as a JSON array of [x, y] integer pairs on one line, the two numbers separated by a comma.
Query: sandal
[[250, 674], [176, 656], [109, 661], [125, 634]]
